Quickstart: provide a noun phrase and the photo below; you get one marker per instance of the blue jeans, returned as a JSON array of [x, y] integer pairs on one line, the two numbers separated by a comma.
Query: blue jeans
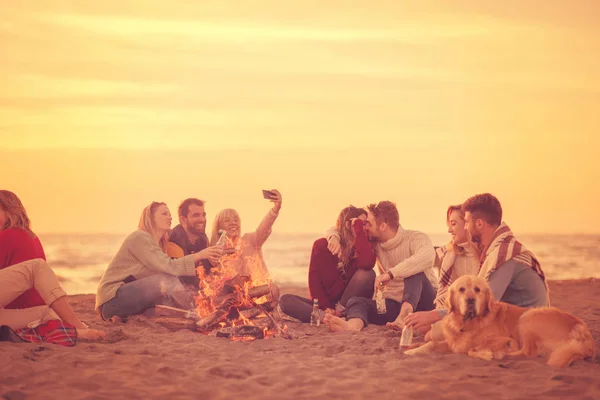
[[137, 296]]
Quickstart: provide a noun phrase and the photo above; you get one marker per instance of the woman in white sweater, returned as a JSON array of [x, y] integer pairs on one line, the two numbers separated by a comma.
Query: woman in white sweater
[[142, 275]]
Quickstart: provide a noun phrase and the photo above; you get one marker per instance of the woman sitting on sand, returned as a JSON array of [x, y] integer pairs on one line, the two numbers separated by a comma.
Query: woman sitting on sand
[[334, 279], [18, 243], [19, 278], [247, 259], [459, 257], [142, 275]]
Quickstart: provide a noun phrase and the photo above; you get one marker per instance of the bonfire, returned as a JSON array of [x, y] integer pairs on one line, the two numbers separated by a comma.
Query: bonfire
[[238, 305]]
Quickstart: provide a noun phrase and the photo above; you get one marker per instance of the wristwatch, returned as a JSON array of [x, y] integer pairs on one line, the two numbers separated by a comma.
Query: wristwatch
[[391, 275]]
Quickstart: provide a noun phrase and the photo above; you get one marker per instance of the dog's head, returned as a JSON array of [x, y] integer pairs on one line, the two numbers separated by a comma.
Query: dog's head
[[470, 296]]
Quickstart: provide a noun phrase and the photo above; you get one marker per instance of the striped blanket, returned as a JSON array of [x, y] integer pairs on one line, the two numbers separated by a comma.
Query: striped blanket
[[447, 257], [505, 247]]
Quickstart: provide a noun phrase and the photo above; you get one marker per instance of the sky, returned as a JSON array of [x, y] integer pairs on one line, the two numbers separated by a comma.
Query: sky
[[107, 106]]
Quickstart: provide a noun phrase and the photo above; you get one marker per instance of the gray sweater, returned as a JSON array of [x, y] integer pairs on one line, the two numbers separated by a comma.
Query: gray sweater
[[139, 256]]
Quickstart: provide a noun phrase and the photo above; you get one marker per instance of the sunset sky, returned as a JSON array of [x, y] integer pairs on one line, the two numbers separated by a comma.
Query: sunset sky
[[106, 106]]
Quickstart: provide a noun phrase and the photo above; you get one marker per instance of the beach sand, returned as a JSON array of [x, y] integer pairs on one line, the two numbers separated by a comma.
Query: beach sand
[[143, 359]]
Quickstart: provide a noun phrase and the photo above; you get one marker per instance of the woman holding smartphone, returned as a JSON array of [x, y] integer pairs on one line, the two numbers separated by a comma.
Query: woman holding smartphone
[[247, 259]]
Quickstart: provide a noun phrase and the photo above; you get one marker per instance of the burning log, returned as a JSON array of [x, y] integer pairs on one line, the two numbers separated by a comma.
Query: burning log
[[205, 323]]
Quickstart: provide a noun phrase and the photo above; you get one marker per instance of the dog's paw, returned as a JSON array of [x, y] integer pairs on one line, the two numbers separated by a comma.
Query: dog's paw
[[481, 354]]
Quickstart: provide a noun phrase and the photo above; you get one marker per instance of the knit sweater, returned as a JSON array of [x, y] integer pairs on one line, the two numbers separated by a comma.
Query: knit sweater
[[139, 256], [406, 254]]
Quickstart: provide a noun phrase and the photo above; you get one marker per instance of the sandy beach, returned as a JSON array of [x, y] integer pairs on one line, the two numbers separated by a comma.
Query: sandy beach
[[143, 359]]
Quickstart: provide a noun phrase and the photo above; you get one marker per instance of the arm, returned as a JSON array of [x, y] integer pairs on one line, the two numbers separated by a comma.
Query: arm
[[501, 278], [421, 259], [365, 256], [315, 286], [264, 229], [146, 250]]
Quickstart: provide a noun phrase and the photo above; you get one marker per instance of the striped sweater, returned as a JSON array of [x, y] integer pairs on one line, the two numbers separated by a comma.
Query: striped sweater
[[139, 256]]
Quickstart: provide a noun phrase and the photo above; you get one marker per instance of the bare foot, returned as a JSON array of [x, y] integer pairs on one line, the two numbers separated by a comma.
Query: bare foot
[[397, 325], [406, 309], [90, 334], [337, 324]]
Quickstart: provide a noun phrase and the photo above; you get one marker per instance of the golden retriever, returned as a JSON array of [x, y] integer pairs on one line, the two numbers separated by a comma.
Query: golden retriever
[[481, 327]]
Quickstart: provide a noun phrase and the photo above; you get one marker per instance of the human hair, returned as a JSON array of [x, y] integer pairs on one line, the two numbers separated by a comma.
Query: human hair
[[146, 224], [346, 231], [221, 215], [484, 206], [453, 246], [385, 211], [184, 207], [15, 212]]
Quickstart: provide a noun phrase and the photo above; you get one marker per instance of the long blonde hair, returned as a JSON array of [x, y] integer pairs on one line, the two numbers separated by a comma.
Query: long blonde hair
[[459, 250], [221, 215], [15, 212], [146, 224], [346, 231]]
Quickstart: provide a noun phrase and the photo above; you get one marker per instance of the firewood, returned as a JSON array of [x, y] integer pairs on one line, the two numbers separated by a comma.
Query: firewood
[[212, 319], [259, 291], [168, 311], [175, 324]]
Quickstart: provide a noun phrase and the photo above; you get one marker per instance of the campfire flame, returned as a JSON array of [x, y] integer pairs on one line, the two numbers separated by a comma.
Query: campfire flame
[[226, 293]]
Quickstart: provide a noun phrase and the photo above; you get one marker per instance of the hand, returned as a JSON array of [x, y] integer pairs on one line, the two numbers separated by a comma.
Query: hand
[[381, 280], [212, 253], [334, 246], [421, 321], [277, 200]]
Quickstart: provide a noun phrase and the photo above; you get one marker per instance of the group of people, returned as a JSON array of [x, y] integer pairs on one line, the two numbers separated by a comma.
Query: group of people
[[367, 251], [343, 265]]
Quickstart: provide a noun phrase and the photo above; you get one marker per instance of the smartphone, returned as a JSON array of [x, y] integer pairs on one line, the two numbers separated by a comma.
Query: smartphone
[[267, 194]]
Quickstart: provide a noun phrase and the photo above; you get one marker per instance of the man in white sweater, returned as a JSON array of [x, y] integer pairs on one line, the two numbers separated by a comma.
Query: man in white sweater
[[405, 260]]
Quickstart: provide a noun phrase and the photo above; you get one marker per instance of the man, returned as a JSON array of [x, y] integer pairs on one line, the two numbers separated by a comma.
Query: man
[[190, 234], [406, 260], [513, 272]]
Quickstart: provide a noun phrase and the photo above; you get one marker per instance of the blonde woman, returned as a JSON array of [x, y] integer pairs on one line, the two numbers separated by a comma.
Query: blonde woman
[[142, 275], [18, 243], [459, 257], [30, 294], [248, 259]]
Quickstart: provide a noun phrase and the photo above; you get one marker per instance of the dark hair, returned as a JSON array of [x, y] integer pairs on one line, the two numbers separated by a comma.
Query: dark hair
[[484, 206], [184, 207], [385, 211]]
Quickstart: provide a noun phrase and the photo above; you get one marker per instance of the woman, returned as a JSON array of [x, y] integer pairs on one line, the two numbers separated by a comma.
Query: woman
[[142, 275], [247, 258], [18, 243], [459, 257], [334, 279]]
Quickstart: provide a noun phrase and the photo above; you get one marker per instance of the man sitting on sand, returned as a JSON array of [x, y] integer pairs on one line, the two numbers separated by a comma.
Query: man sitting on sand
[[406, 258]]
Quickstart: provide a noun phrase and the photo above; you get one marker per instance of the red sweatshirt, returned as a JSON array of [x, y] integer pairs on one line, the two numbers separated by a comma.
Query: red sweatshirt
[[324, 280], [16, 245]]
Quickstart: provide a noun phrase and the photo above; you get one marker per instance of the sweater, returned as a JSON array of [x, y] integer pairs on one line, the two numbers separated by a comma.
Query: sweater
[[140, 257], [325, 280], [406, 254], [16, 246]]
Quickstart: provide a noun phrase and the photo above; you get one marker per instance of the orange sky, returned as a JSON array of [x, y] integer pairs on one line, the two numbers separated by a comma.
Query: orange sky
[[105, 107]]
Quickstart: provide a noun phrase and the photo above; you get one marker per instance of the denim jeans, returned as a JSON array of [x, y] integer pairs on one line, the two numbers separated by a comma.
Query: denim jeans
[[137, 296]]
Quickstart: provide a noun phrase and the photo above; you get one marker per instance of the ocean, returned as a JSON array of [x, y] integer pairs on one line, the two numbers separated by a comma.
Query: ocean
[[80, 259]]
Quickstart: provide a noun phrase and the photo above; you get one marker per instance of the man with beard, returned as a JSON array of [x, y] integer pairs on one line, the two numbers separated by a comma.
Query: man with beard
[[513, 272], [190, 234], [405, 259]]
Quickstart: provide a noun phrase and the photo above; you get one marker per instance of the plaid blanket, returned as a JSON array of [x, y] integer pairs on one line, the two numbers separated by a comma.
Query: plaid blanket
[[54, 331], [505, 247]]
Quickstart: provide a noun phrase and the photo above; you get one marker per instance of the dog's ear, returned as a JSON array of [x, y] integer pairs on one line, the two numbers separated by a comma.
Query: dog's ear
[[450, 299]]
